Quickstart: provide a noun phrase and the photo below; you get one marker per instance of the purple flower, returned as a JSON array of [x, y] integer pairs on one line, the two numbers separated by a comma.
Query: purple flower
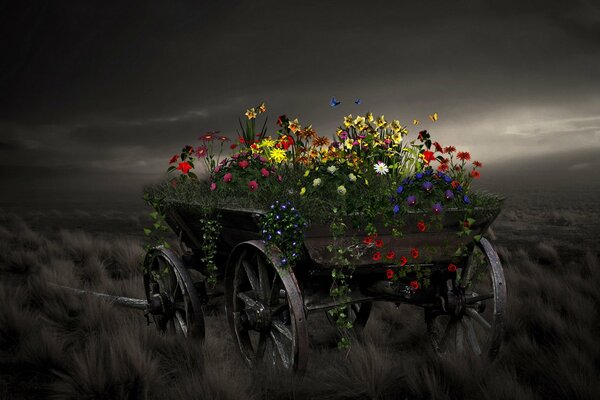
[[400, 189], [437, 208], [411, 200], [427, 186], [396, 209], [466, 199], [449, 194], [343, 135]]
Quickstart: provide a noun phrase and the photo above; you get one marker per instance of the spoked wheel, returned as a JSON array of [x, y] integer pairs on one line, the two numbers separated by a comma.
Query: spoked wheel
[[265, 310], [173, 300], [473, 319], [358, 314]]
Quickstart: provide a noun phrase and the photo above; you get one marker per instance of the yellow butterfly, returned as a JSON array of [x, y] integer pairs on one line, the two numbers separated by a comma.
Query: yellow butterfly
[[433, 117], [416, 122]]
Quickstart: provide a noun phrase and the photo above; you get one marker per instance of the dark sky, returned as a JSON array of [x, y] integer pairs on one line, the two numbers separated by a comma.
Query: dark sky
[[96, 95]]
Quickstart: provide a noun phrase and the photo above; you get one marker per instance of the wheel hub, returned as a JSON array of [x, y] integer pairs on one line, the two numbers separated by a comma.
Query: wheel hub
[[257, 318]]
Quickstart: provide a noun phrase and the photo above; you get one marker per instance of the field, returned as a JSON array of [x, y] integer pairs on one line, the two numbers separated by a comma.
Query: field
[[55, 344]]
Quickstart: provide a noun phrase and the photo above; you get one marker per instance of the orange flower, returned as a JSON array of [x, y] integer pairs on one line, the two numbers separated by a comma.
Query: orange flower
[[475, 174]]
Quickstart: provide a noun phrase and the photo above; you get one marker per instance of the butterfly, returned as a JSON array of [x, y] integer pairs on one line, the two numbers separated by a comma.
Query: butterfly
[[416, 122], [358, 101], [334, 102], [433, 117]]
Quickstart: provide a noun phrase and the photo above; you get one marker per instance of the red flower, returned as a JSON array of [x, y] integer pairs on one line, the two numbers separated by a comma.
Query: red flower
[[377, 256], [286, 142], [414, 253], [224, 139], [403, 261], [428, 156], [451, 267], [442, 167], [227, 177], [477, 164], [438, 147], [455, 184], [390, 255], [368, 240], [184, 167], [421, 226], [174, 183], [449, 149], [389, 273], [414, 285], [252, 185], [243, 164], [264, 172], [466, 223], [173, 159], [233, 146], [475, 174], [463, 155], [207, 137], [379, 243], [201, 151]]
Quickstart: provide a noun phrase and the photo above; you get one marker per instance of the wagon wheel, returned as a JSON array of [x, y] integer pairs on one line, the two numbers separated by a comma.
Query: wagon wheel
[[358, 314], [172, 298], [265, 310], [474, 317]]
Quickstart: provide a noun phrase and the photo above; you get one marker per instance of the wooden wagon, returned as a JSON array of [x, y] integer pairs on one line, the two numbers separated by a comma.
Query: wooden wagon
[[267, 305]]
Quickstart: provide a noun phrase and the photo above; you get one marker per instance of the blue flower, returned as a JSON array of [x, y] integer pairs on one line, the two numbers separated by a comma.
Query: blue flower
[[405, 181], [419, 175], [396, 209], [449, 194], [466, 199], [427, 186], [411, 200], [447, 179], [437, 208], [459, 188], [400, 189], [428, 172]]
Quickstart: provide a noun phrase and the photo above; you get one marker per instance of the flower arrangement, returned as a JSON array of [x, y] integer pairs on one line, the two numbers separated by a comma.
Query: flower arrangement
[[368, 171]]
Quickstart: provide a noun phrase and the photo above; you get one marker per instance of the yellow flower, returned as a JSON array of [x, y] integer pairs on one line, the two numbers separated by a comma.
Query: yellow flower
[[262, 108], [267, 142], [302, 191], [349, 143], [294, 125], [251, 113], [307, 172], [359, 120], [348, 121], [396, 126], [369, 116], [397, 137], [380, 122], [278, 155]]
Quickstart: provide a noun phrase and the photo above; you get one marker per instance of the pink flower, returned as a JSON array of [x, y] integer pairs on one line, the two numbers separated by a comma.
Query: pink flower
[[227, 177], [213, 186], [252, 185], [264, 172], [201, 151], [279, 178], [243, 164]]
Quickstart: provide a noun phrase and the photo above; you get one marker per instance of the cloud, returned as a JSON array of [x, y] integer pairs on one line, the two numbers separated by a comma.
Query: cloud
[[579, 125]]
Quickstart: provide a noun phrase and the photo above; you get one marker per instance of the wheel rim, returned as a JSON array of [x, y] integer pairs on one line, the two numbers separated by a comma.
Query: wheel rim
[[475, 324], [168, 284], [265, 312]]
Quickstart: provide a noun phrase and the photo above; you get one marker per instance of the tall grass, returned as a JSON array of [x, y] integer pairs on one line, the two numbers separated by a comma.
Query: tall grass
[[55, 344]]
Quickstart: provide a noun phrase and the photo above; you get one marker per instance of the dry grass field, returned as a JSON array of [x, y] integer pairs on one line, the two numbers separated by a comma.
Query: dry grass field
[[55, 344]]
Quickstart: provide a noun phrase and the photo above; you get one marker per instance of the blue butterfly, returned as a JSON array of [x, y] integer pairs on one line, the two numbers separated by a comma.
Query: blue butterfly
[[334, 102], [358, 101]]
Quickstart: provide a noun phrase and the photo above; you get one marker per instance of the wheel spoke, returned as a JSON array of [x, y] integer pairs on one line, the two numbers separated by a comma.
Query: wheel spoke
[[263, 277], [281, 328], [479, 319], [250, 302], [262, 344], [476, 299], [460, 338], [471, 337], [280, 349], [251, 275]]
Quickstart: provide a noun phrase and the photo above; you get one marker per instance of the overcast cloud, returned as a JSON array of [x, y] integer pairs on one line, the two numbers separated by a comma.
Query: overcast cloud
[[116, 89]]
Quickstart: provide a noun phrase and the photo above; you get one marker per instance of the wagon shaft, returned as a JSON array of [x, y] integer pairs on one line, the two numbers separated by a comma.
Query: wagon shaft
[[138, 304]]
